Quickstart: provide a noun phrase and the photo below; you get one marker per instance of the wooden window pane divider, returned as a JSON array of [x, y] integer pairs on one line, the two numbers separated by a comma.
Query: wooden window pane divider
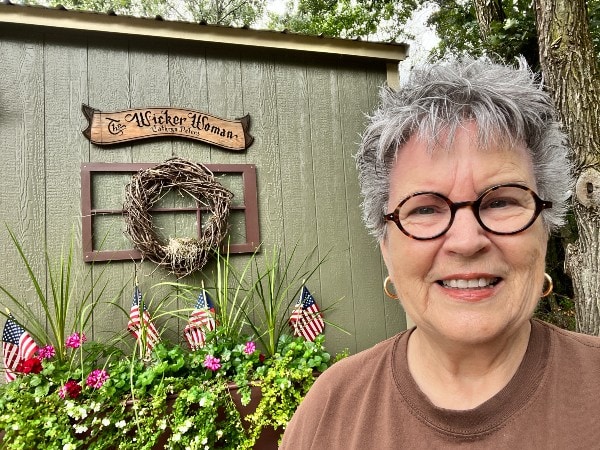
[[249, 207]]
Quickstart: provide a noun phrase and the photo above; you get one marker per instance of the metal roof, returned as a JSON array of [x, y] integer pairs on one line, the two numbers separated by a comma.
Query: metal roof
[[61, 18]]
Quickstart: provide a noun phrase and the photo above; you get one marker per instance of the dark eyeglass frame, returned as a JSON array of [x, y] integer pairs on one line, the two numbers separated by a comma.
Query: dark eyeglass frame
[[540, 205]]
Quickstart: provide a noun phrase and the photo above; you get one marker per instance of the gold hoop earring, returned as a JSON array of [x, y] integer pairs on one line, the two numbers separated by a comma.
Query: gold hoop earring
[[386, 290], [548, 285]]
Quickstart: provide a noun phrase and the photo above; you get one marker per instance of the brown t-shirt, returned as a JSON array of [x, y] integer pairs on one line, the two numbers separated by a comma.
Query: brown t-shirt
[[370, 401]]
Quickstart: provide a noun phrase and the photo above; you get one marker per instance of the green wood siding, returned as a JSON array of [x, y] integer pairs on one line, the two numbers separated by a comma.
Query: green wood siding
[[306, 110]]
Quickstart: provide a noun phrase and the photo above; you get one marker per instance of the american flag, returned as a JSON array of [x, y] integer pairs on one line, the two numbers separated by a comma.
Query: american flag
[[306, 319], [17, 346], [201, 320], [145, 326]]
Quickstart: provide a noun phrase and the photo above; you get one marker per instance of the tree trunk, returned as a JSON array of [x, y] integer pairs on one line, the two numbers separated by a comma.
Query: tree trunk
[[487, 11], [571, 74]]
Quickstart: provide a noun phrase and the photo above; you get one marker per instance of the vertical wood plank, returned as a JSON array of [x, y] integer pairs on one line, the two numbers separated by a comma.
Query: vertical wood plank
[[22, 186], [224, 87], [330, 203], [188, 89], [297, 177], [65, 88], [149, 86], [260, 101], [299, 222], [108, 90]]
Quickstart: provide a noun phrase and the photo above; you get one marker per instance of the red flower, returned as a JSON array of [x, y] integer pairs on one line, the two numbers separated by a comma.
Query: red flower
[[70, 389], [31, 365]]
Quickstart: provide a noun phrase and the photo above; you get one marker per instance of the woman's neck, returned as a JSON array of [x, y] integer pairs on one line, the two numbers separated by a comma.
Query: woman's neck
[[462, 377]]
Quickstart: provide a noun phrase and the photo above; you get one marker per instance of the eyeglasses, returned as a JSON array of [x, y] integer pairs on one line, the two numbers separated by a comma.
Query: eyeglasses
[[504, 209]]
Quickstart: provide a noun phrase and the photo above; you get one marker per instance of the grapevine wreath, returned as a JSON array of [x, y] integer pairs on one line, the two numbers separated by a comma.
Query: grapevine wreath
[[181, 256]]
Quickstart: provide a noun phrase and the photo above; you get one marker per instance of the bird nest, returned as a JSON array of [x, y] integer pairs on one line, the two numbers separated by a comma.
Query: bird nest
[[180, 256]]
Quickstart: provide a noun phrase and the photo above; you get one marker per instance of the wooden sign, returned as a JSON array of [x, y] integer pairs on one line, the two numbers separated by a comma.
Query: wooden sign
[[107, 128]]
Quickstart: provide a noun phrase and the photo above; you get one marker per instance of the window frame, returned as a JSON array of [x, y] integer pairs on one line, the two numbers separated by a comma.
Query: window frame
[[88, 212]]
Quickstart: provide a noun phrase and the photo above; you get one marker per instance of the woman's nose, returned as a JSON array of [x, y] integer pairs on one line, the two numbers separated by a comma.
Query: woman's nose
[[465, 236]]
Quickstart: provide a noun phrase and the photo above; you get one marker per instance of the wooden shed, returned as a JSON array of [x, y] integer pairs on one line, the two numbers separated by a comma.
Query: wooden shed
[[306, 98]]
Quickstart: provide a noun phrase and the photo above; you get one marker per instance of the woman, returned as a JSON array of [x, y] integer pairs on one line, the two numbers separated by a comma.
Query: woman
[[464, 174]]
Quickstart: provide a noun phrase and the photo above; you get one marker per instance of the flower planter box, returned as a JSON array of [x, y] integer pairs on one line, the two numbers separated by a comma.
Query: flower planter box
[[268, 439]]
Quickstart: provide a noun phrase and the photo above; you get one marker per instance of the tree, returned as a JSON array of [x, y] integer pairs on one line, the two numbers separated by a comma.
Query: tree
[[570, 65], [368, 19], [215, 12], [507, 34]]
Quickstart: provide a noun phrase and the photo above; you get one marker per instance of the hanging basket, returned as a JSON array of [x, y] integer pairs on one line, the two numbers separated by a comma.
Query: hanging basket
[[180, 256]]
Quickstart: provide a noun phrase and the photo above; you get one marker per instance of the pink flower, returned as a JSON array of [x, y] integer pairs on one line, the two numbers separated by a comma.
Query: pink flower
[[212, 363], [70, 389], [97, 378], [249, 348], [46, 352], [75, 340]]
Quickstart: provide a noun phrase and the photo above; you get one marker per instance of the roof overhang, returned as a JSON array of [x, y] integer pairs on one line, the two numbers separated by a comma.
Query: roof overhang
[[60, 18]]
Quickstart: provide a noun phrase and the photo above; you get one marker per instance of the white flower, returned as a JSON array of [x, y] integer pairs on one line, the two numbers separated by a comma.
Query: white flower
[[185, 426], [15, 426], [69, 446], [202, 402], [204, 441], [80, 429], [105, 422], [120, 424], [219, 434], [162, 424], [176, 437]]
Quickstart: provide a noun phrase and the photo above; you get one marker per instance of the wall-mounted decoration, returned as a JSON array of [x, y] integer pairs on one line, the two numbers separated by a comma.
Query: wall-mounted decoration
[[102, 210], [108, 128], [180, 256]]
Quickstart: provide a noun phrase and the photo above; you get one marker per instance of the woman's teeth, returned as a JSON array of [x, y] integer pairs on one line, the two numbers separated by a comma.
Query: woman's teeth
[[469, 284]]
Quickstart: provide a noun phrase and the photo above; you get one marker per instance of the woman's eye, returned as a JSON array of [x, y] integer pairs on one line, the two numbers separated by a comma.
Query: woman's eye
[[423, 210], [500, 203], [497, 204]]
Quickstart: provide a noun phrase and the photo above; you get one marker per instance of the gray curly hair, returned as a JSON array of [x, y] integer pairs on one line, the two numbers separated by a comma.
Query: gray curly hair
[[509, 106]]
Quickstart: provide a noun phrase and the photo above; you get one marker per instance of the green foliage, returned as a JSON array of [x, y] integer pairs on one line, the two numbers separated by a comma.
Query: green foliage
[[455, 20], [259, 296], [222, 12], [594, 16], [286, 380], [78, 394], [69, 305], [276, 287], [382, 19], [172, 400]]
